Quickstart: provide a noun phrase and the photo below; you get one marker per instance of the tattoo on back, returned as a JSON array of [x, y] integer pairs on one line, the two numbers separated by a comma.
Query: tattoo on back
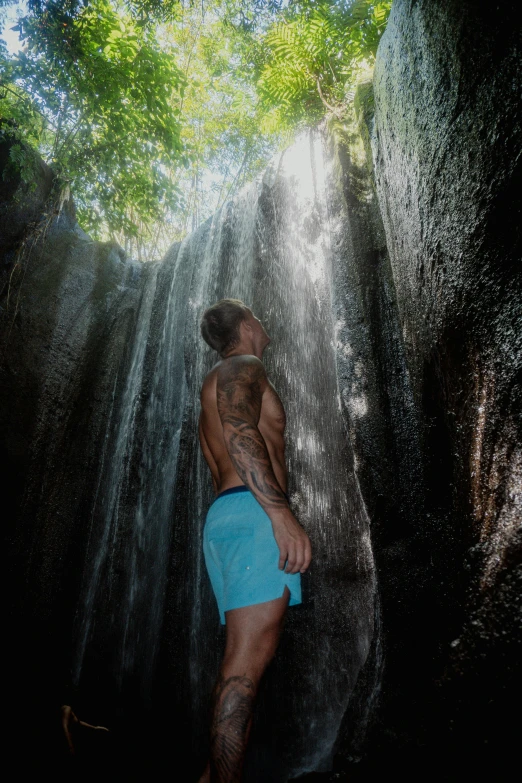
[[239, 396], [233, 704]]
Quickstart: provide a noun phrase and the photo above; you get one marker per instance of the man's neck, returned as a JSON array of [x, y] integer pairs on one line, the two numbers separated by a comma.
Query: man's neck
[[245, 350]]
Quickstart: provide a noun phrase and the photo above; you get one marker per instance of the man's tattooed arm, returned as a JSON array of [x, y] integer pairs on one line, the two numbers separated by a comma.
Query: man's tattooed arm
[[240, 385]]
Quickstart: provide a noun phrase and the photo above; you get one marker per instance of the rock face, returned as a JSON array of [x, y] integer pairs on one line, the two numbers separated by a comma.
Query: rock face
[[446, 143], [69, 308], [409, 246]]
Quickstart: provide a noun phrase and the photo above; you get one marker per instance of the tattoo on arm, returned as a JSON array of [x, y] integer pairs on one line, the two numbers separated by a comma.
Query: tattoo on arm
[[232, 712], [239, 394]]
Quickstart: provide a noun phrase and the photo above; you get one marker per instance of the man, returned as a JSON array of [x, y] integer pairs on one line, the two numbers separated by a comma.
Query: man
[[255, 550]]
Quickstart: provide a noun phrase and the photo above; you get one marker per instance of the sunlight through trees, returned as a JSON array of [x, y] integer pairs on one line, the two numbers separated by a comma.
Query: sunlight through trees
[[154, 113]]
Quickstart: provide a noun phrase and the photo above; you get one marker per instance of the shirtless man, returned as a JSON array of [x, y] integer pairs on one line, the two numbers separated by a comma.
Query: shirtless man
[[255, 550]]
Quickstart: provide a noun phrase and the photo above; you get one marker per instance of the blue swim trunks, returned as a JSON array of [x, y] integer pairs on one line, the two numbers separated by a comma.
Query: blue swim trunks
[[241, 554]]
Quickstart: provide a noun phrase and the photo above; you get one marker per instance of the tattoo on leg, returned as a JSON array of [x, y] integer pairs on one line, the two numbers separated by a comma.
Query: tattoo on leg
[[233, 704]]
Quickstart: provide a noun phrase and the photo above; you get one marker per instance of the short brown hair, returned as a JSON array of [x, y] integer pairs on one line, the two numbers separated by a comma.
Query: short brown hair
[[220, 324]]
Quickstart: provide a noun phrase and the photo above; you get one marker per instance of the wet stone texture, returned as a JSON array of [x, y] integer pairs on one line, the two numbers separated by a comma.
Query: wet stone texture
[[68, 310], [446, 142]]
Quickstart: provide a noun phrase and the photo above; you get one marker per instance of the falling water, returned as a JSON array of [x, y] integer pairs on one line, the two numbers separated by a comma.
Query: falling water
[[145, 588]]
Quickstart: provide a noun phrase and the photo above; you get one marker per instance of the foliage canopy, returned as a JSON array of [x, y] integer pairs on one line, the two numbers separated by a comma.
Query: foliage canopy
[[98, 95], [314, 56], [155, 112]]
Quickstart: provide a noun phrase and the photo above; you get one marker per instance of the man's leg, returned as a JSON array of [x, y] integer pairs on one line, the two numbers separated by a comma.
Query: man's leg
[[252, 637]]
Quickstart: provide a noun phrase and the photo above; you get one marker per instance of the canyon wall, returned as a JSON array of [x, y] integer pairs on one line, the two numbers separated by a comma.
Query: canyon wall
[[445, 130], [393, 245]]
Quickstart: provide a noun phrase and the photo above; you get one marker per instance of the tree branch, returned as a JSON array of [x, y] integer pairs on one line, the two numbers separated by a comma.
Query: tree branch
[[28, 100], [334, 111]]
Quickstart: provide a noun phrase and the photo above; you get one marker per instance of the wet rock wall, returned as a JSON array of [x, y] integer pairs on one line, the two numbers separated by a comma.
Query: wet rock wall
[[446, 140], [68, 313]]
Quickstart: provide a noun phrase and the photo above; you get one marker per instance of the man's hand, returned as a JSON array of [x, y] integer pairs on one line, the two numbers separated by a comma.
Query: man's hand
[[70, 724], [294, 545]]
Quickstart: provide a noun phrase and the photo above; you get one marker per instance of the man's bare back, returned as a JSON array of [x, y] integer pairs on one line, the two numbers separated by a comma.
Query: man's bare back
[[236, 376]]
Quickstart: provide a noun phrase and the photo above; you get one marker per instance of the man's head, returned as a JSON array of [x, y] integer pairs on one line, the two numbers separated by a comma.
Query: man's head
[[230, 322]]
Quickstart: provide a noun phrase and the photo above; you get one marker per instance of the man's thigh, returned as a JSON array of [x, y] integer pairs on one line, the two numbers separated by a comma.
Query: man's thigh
[[253, 631]]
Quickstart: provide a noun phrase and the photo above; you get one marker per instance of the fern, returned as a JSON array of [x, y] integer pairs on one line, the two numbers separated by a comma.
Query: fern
[[315, 55]]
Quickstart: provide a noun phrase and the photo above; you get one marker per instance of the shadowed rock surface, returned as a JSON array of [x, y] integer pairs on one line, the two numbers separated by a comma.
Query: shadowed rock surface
[[414, 216], [447, 144]]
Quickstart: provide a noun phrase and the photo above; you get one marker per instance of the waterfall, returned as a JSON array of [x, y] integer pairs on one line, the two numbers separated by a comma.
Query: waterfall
[[146, 604]]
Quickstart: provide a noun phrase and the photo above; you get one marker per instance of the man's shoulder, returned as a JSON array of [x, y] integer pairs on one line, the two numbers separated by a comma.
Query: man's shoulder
[[240, 360], [244, 368]]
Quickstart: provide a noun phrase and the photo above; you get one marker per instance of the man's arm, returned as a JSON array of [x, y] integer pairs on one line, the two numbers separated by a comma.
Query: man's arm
[[241, 382], [70, 723]]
